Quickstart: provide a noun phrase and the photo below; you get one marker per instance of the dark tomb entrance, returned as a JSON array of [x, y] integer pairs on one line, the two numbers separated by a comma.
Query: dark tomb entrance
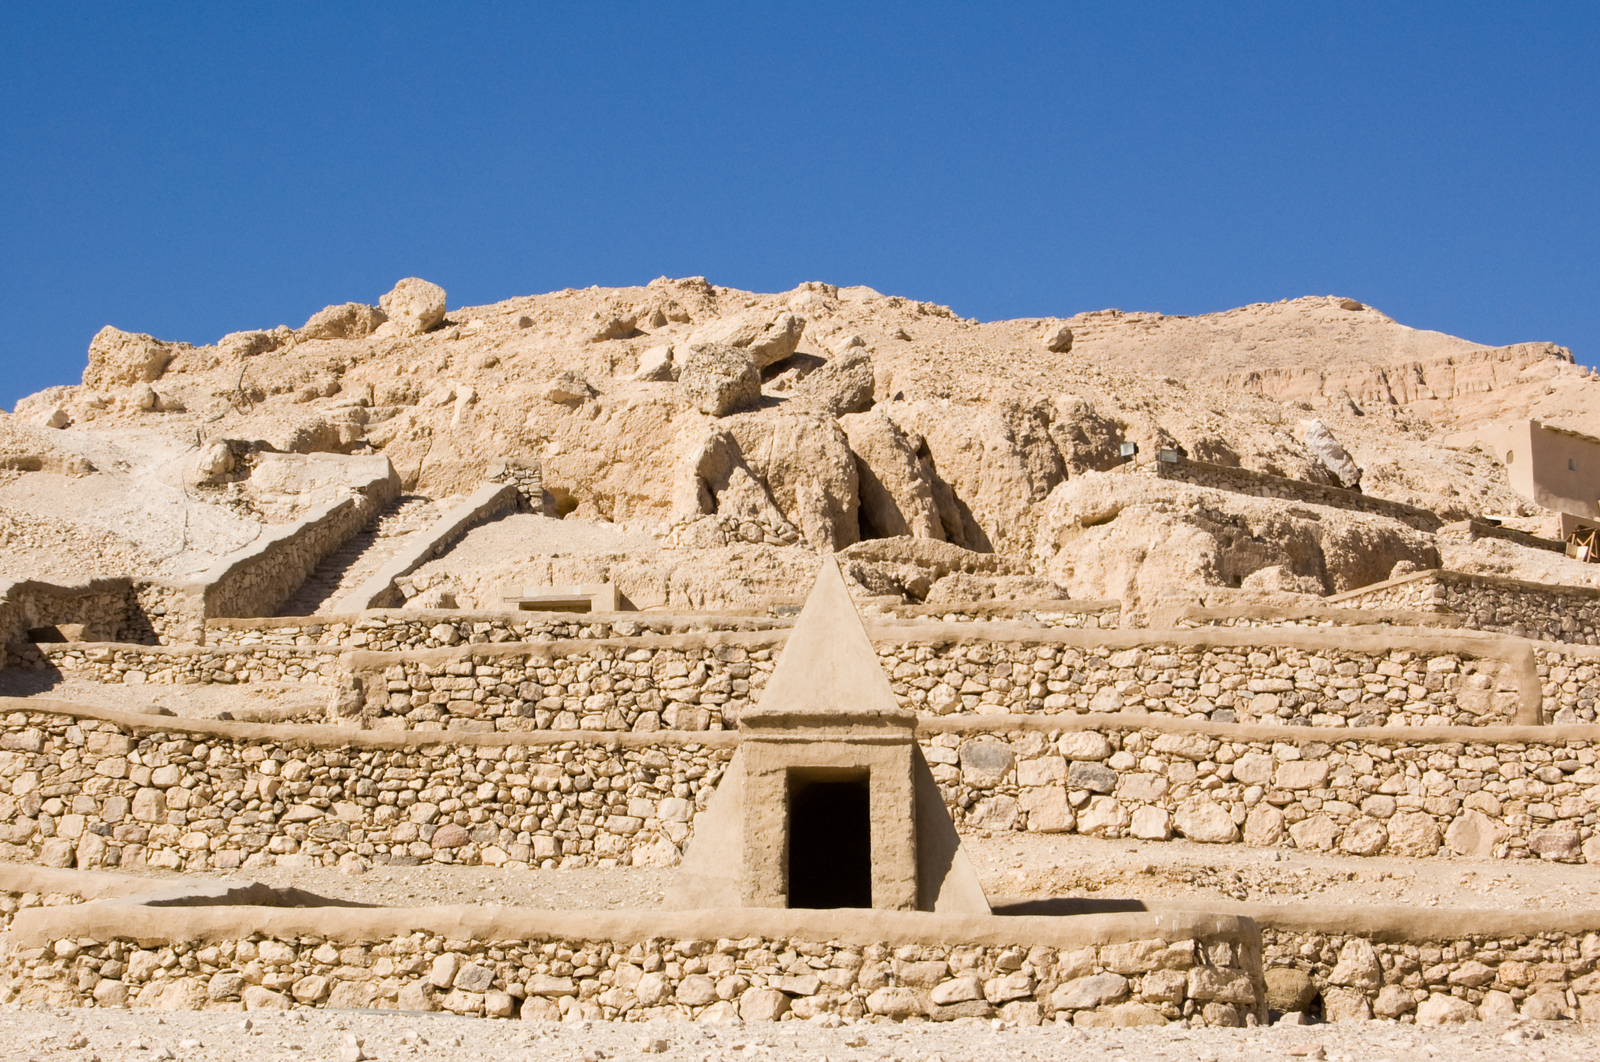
[[830, 842]]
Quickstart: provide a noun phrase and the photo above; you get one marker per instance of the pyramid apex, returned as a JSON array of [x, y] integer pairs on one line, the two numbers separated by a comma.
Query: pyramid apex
[[829, 673]]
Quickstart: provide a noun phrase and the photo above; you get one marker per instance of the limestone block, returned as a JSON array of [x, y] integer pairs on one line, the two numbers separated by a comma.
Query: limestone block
[[1345, 1004], [1289, 990], [1358, 966], [1086, 992], [1204, 820], [1439, 1010], [1472, 833]]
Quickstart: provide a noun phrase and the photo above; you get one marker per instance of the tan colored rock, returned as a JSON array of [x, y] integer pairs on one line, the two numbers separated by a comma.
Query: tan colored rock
[[1472, 833], [842, 386], [118, 358], [350, 320], [805, 462], [1413, 833], [413, 306], [1204, 820], [1057, 338], [896, 482], [1264, 826], [718, 379], [1289, 990]]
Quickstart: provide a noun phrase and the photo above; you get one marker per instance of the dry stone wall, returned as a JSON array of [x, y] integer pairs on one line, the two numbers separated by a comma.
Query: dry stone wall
[[395, 630], [82, 787], [1542, 976], [113, 610], [1508, 794], [1490, 603], [137, 665], [1214, 980], [703, 680], [86, 792]]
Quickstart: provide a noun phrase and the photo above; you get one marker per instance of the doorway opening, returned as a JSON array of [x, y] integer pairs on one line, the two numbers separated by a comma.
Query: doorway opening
[[830, 841]]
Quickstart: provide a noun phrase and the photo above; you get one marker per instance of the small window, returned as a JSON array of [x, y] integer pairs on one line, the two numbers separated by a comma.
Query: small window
[[1509, 455], [1572, 466]]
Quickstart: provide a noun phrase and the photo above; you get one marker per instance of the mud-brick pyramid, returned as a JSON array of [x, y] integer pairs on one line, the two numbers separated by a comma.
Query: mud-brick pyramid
[[828, 801]]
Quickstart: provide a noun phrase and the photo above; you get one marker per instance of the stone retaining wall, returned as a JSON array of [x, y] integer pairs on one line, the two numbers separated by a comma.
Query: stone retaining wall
[[1570, 682], [1490, 795], [1490, 603], [112, 610], [1541, 976], [138, 665], [91, 788], [1264, 485], [703, 680], [88, 792], [394, 630], [617, 685], [1207, 970]]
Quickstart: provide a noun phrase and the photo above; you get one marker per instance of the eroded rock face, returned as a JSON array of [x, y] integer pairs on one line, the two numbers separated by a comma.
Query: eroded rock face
[[896, 480], [806, 463], [767, 340], [1123, 536], [118, 358], [350, 320], [414, 306]]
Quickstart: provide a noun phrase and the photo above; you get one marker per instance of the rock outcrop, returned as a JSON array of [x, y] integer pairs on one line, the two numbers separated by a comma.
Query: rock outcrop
[[414, 306]]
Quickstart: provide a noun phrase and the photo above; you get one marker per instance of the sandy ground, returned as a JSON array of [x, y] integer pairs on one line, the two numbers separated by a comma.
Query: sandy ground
[[126, 1036], [1115, 872]]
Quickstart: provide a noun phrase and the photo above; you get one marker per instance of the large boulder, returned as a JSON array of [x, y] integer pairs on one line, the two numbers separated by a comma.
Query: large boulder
[[118, 358], [1329, 454], [414, 306], [719, 379], [896, 481], [350, 320], [841, 386], [766, 340]]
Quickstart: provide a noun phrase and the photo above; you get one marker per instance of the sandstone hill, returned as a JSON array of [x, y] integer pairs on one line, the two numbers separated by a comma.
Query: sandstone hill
[[699, 443]]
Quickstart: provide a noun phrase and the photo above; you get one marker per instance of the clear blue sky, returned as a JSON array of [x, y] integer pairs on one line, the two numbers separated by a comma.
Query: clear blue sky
[[192, 169]]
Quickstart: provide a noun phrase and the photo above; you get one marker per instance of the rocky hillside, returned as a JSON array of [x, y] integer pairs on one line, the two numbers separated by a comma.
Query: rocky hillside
[[719, 431]]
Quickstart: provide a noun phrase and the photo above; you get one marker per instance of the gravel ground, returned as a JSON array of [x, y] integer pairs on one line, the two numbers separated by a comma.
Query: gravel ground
[[346, 1036]]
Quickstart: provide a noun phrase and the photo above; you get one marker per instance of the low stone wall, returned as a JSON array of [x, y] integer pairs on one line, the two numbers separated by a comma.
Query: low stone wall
[[1490, 603], [704, 679], [91, 788], [249, 582], [492, 499], [1505, 792], [1264, 485], [1274, 617], [1306, 677], [395, 630], [1447, 975], [640, 965], [1051, 615], [138, 665]]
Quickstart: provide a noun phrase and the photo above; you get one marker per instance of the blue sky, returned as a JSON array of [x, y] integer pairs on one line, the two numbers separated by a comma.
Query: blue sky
[[192, 169]]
